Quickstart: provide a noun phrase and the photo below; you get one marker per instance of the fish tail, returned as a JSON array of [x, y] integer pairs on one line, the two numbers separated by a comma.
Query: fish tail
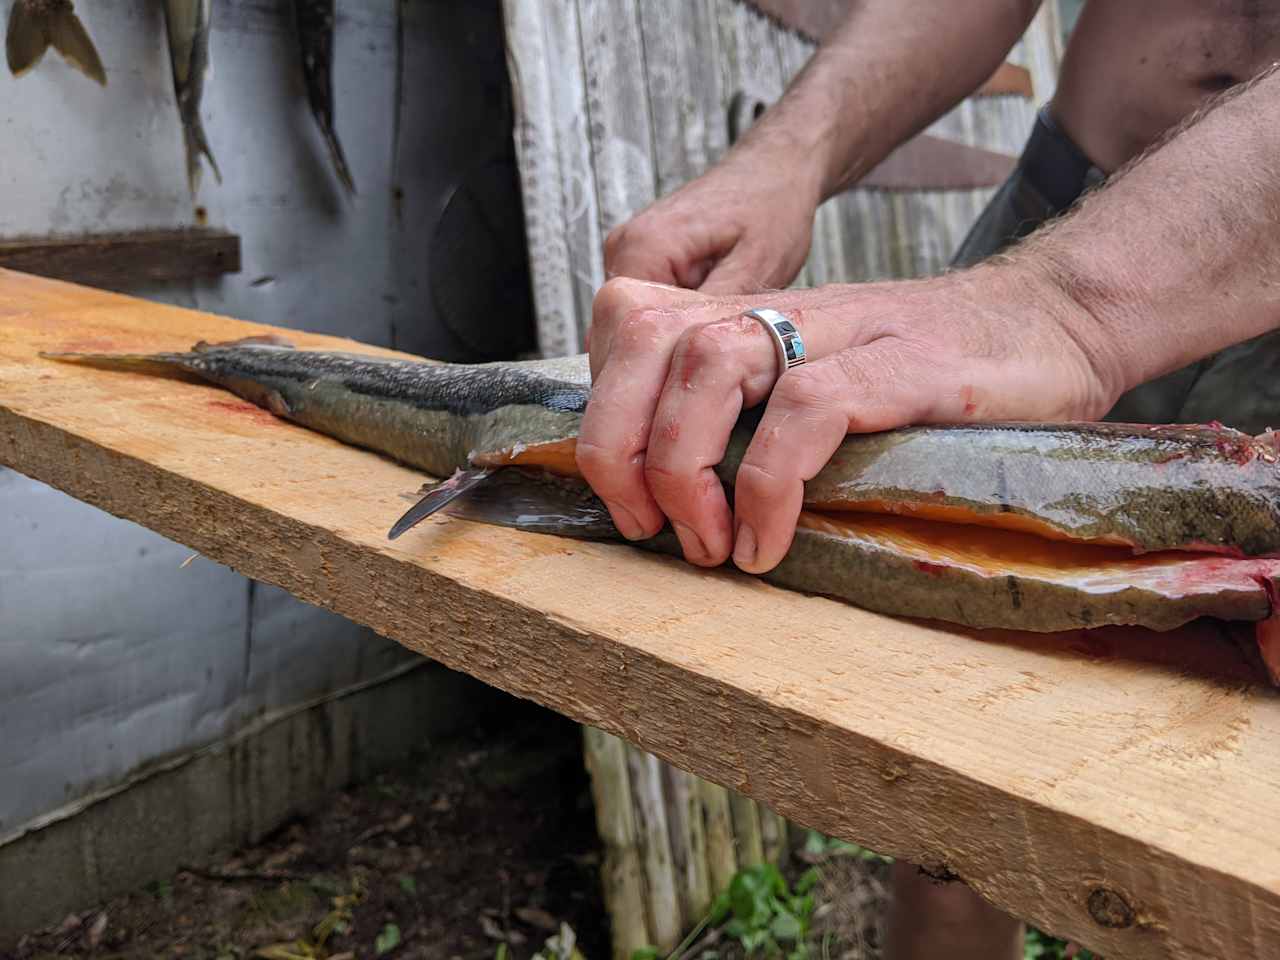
[[159, 362], [336, 153], [197, 146], [148, 362], [33, 30]]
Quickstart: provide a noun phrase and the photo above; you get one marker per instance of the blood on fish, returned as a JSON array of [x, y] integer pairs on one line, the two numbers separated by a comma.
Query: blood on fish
[[932, 569]]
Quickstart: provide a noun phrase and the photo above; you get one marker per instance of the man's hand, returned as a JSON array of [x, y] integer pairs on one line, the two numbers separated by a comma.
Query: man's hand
[[673, 370], [744, 225], [886, 72]]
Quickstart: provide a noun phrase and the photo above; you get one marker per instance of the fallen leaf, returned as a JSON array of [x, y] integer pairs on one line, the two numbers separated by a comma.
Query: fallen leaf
[[278, 859], [491, 929], [97, 929], [387, 940]]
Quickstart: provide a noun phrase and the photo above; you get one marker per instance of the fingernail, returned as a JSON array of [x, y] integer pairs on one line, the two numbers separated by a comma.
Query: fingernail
[[744, 546], [694, 548], [626, 522]]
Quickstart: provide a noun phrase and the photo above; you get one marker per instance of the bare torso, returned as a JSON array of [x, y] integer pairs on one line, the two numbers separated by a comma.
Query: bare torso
[[1134, 68]]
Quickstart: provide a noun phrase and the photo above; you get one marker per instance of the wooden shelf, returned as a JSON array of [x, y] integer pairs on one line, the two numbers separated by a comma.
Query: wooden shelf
[[118, 260]]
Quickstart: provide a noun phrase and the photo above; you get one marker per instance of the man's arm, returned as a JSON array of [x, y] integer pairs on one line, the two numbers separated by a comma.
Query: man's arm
[[1179, 256], [887, 71]]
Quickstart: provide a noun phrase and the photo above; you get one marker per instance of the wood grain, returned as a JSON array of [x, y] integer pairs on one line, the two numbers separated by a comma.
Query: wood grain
[[1116, 786], [118, 260]]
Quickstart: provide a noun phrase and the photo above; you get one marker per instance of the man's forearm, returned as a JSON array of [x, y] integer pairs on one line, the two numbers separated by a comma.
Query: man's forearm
[[1179, 255], [886, 72]]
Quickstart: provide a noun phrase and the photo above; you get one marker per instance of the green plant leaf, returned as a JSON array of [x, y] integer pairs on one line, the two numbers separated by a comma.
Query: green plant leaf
[[408, 884], [786, 926], [807, 880], [753, 940], [645, 953], [502, 952], [387, 940], [720, 908]]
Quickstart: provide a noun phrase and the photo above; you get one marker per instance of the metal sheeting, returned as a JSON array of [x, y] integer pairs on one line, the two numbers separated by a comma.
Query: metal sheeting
[[112, 654]]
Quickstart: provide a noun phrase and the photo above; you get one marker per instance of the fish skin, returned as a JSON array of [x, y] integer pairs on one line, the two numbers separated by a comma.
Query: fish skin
[[315, 19], [1153, 487], [36, 25], [187, 24], [444, 417]]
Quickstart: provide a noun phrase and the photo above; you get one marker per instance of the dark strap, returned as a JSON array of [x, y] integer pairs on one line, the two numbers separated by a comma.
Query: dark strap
[[1054, 165]]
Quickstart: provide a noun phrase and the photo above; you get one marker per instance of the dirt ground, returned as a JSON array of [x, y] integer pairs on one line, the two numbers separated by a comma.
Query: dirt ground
[[489, 838], [475, 849]]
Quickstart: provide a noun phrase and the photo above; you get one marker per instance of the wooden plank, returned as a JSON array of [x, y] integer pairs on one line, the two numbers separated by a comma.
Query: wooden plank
[[686, 101], [617, 103], [1115, 786], [752, 73], [558, 184], [118, 260], [622, 871]]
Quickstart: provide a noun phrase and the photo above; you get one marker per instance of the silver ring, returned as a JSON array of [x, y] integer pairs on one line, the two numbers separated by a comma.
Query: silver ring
[[787, 343]]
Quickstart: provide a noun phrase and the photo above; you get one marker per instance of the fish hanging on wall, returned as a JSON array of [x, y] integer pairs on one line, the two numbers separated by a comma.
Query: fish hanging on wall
[[315, 38], [37, 25], [188, 28]]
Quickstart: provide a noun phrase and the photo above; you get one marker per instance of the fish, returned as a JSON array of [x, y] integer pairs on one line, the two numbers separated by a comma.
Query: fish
[[1042, 527], [36, 25], [314, 19], [187, 23]]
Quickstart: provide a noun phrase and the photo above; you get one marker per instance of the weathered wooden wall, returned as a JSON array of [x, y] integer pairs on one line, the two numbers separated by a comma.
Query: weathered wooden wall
[[619, 102]]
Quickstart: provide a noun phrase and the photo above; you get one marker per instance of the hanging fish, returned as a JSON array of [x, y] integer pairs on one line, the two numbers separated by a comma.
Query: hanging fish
[[36, 25], [188, 27], [315, 38]]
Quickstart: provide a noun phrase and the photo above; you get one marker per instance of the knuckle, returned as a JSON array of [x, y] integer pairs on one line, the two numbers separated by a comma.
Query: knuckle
[[670, 486], [808, 389], [614, 297], [714, 345], [615, 240], [597, 463], [757, 480], [710, 341], [640, 327]]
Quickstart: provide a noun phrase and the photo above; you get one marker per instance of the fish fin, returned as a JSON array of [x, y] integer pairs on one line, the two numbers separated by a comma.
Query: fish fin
[[438, 496], [335, 152], [26, 39], [71, 39], [538, 502], [257, 340]]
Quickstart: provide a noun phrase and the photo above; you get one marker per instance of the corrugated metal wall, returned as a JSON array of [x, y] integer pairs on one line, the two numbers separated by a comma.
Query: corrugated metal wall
[[113, 654]]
